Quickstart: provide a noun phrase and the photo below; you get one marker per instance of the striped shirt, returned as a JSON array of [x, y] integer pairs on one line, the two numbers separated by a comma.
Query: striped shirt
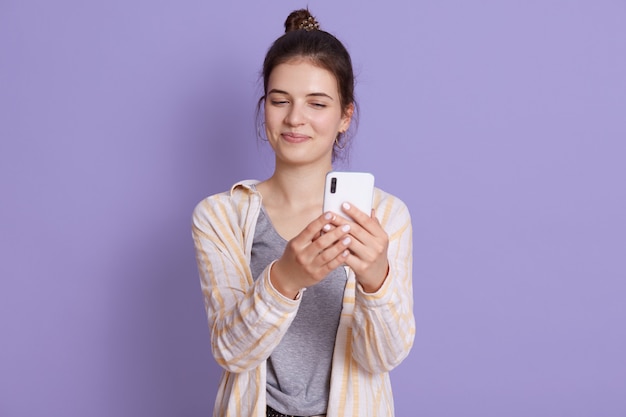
[[248, 317]]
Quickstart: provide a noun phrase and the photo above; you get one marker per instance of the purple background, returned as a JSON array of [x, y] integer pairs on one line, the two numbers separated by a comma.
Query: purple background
[[502, 124]]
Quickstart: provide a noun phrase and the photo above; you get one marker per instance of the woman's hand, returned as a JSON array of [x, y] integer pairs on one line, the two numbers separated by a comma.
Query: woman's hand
[[367, 248], [309, 257]]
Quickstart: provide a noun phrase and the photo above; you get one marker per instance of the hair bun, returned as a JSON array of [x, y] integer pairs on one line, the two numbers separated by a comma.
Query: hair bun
[[301, 20]]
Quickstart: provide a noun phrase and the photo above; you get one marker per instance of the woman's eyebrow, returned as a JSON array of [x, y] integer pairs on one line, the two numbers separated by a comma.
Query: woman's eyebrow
[[319, 95], [277, 91]]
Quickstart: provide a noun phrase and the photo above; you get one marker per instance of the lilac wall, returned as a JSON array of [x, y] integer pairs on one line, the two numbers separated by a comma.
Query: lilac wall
[[502, 124]]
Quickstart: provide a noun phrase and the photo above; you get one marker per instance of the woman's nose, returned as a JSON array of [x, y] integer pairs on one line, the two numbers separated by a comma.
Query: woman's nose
[[295, 116]]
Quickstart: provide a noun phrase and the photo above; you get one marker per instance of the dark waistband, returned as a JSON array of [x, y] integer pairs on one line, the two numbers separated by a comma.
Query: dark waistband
[[273, 413]]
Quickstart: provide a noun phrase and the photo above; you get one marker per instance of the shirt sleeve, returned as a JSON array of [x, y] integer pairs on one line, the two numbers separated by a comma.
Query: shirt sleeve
[[383, 322], [247, 318]]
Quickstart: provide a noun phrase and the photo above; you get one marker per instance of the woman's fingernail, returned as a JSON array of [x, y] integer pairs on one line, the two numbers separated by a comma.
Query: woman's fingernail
[[328, 216], [345, 228], [346, 206], [347, 241], [326, 228]]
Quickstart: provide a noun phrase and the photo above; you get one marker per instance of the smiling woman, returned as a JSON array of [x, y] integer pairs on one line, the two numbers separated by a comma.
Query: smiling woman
[[326, 351]]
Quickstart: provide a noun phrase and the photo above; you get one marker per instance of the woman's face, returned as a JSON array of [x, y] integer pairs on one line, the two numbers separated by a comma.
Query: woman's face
[[303, 113]]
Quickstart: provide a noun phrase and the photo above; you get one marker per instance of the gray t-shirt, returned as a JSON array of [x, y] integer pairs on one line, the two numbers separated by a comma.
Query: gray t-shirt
[[298, 371]]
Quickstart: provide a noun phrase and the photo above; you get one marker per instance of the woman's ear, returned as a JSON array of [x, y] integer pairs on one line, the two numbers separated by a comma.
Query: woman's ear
[[346, 119]]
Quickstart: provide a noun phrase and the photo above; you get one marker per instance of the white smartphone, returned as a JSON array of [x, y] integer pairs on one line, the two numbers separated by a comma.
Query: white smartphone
[[356, 188]]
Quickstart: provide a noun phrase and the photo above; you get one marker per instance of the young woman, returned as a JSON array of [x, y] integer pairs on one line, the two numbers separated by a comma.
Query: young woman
[[308, 311]]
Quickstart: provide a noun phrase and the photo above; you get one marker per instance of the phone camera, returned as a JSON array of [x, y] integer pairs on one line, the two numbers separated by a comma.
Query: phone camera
[[333, 185]]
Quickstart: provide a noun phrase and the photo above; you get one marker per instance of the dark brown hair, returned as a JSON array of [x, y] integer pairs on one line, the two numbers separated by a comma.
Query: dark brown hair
[[304, 39]]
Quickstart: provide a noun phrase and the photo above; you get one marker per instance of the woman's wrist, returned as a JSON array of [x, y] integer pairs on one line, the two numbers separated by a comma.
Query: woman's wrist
[[373, 286], [281, 284]]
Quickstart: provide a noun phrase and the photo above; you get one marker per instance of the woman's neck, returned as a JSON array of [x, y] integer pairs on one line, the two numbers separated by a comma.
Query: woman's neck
[[296, 187]]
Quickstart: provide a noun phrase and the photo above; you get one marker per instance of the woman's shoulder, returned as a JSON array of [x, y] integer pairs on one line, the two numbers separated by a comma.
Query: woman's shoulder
[[239, 196], [383, 198], [390, 208]]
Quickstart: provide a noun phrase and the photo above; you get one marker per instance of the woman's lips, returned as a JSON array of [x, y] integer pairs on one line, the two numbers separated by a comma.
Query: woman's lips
[[294, 137]]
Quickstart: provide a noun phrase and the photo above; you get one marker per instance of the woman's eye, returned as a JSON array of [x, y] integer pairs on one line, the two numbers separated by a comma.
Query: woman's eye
[[279, 102], [318, 105]]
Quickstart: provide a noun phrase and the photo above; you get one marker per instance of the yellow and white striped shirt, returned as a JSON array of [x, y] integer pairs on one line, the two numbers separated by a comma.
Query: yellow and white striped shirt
[[248, 317]]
